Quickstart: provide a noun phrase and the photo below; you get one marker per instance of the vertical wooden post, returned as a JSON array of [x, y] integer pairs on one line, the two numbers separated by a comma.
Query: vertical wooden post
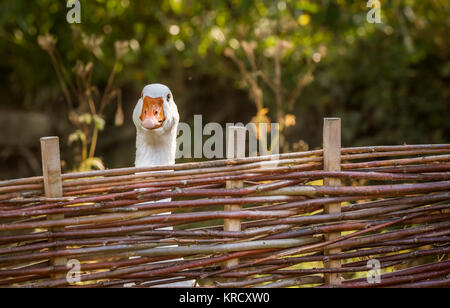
[[51, 169], [332, 162], [235, 149]]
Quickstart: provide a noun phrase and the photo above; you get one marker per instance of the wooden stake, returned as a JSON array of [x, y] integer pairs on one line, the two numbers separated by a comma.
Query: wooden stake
[[51, 169], [332, 162], [235, 149]]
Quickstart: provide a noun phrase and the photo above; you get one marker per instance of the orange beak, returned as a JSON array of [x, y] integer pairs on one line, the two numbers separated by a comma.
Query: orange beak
[[152, 115]]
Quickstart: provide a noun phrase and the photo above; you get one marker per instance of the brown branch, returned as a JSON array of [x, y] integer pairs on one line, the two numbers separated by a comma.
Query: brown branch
[[254, 88], [302, 82]]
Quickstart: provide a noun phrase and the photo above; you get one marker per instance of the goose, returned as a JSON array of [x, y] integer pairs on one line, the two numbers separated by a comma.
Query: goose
[[156, 119]]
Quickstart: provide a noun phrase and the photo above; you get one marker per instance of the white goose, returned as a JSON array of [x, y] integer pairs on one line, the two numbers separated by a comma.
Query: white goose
[[156, 119]]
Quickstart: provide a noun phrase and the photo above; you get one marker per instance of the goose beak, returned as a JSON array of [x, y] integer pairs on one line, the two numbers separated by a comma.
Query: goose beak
[[152, 115]]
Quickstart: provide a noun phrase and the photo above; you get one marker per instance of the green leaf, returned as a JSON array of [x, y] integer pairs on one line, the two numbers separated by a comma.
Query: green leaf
[[99, 122], [92, 164], [77, 135], [85, 118]]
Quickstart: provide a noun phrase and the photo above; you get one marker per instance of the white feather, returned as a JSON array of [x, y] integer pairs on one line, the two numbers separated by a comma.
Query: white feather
[[157, 147]]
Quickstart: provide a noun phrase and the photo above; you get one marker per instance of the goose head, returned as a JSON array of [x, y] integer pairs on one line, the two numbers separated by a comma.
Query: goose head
[[155, 112], [156, 119]]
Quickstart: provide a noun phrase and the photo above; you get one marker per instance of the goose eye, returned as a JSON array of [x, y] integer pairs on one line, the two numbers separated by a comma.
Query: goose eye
[[168, 97]]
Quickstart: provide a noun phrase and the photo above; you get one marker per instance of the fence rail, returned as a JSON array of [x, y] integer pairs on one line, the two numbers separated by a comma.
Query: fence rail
[[320, 218]]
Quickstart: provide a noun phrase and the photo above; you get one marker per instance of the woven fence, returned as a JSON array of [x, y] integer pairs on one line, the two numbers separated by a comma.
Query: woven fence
[[324, 218]]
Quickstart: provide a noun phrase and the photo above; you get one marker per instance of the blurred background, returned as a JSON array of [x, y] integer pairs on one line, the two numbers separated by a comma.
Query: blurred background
[[289, 61]]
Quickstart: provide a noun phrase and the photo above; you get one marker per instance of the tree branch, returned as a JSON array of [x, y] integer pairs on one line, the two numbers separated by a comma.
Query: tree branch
[[302, 82], [254, 88]]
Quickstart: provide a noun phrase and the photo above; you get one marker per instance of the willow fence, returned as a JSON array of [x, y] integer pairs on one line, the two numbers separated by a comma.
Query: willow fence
[[374, 216]]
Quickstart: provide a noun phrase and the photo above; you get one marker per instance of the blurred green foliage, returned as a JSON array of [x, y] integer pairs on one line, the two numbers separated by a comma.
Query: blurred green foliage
[[389, 81]]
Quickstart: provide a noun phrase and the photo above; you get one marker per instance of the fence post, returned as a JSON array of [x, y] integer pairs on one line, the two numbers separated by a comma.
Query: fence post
[[235, 149], [51, 169], [332, 162]]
